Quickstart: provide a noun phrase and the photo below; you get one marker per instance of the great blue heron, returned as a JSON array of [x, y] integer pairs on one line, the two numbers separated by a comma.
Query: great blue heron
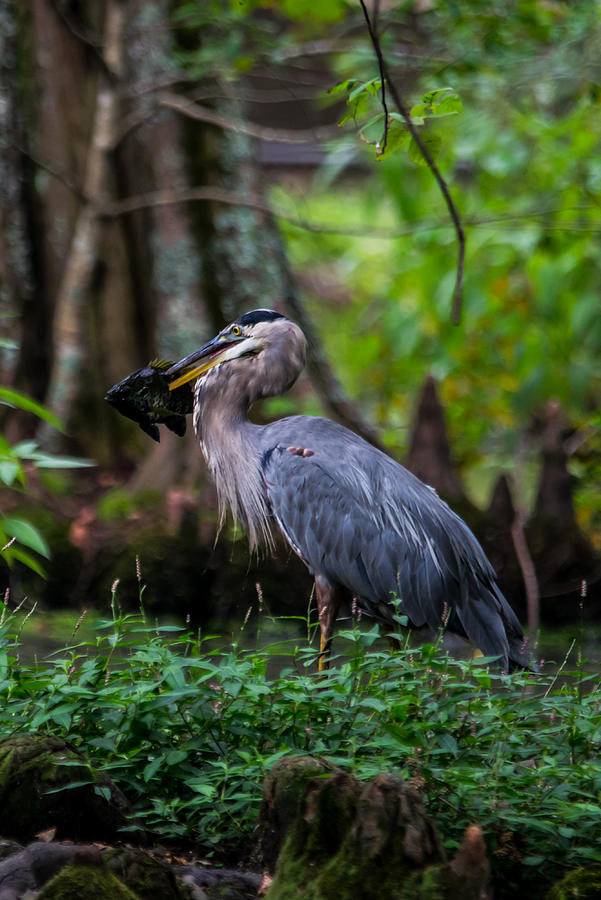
[[364, 526]]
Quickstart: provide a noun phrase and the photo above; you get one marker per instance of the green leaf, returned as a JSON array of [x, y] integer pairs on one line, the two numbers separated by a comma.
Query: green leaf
[[450, 105], [433, 97], [68, 787], [206, 790], [447, 742], [103, 791], [9, 470], [397, 136], [15, 552], [26, 534], [443, 102], [343, 86], [16, 399], [347, 118], [371, 87], [29, 450], [433, 144], [153, 767]]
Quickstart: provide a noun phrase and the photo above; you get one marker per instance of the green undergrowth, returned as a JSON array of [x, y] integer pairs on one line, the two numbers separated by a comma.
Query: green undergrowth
[[188, 729]]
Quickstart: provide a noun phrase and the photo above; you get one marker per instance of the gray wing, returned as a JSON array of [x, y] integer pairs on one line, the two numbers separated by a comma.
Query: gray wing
[[356, 516]]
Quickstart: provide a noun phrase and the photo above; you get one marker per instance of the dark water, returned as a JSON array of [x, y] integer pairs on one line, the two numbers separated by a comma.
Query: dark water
[[42, 633]]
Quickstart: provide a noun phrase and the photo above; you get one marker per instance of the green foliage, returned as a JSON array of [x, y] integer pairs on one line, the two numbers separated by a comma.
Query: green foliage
[[364, 98], [522, 166], [120, 503], [227, 39], [14, 399], [188, 732], [18, 536]]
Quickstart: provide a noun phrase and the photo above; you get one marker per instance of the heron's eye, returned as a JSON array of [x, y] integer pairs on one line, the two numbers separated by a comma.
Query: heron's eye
[[236, 330]]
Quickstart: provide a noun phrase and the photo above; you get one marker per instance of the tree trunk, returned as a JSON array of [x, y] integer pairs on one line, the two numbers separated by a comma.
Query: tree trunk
[[179, 321], [83, 254]]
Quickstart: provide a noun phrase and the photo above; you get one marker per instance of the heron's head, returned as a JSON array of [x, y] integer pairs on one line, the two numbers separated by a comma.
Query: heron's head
[[261, 354]]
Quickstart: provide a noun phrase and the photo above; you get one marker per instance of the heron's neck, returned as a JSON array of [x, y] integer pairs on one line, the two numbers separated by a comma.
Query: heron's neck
[[230, 443]]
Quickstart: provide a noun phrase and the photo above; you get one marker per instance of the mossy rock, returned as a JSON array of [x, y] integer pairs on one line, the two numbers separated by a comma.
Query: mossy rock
[[35, 773], [581, 884], [8, 848], [148, 877], [78, 882]]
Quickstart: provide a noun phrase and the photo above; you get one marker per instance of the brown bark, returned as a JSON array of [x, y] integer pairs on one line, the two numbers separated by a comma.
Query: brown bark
[[84, 248], [178, 320], [554, 498], [54, 103], [429, 454]]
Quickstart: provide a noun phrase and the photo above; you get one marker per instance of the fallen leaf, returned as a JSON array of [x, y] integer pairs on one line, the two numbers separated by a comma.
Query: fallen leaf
[[264, 886], [47, 835]]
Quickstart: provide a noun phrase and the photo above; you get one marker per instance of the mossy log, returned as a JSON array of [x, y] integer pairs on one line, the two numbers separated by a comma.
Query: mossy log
[[342, 840]]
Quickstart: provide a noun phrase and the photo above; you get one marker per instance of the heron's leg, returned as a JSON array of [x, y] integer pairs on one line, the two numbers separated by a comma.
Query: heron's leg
[[329, 597]]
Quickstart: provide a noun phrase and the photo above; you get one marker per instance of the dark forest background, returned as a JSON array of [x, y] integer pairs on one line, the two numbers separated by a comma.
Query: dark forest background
[[167, 166]]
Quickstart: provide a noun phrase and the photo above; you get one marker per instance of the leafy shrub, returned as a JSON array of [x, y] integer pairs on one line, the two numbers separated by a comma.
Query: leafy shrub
[[18, 537], [188, 731]]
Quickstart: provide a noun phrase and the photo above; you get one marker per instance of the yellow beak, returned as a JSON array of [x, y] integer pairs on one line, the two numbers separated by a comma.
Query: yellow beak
[[203, 359]]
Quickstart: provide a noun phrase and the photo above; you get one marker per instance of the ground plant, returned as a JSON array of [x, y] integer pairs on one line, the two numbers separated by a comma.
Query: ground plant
[[188, 728]]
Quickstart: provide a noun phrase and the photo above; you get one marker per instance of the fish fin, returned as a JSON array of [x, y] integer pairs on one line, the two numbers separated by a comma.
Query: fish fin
[[160, 364], [151, 430], [177, 424]]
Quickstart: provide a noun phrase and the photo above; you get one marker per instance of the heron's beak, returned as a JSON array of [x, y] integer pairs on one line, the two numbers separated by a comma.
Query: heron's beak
[[213, 353]]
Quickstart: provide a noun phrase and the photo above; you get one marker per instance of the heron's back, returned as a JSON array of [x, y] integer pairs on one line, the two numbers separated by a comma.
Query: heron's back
[[365, 522]]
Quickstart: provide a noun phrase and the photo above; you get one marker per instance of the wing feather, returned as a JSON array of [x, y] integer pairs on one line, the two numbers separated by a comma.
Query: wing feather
[[366, 523]]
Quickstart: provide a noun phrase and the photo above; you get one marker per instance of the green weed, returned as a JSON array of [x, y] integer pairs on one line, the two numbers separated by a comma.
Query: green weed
[[188, 730]]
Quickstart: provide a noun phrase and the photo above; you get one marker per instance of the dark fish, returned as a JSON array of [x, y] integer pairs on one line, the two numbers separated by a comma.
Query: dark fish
[[144, 396]]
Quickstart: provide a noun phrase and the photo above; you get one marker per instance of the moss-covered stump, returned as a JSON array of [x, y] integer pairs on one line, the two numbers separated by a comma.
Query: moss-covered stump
[[35, 773], [581, 884], [284, 790], [77, 882], [345, 841]]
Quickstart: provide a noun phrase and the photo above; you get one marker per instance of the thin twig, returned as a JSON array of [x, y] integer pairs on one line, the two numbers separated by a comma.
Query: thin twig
[[522, 551], [561, 668], [525, 561], [458, 290], [373, 33], [52, 170]]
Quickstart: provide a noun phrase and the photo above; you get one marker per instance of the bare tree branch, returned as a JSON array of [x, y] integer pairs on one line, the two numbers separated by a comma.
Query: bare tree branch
[[63, 176], [280, 135], [217, 195], [385, 76]]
